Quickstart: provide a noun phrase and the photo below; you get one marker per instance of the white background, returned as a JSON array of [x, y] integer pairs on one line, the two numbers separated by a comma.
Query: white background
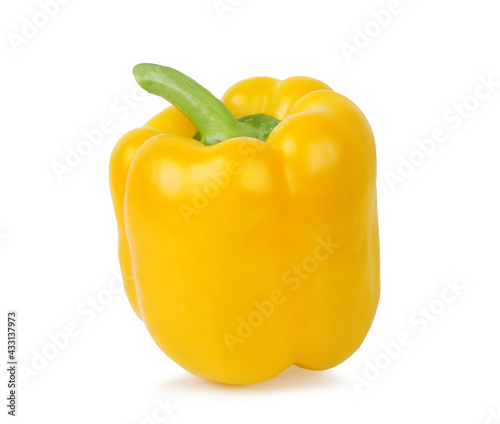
[[58, 237]]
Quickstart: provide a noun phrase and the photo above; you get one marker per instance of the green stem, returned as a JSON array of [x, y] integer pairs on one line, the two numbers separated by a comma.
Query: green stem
[[213, 120]]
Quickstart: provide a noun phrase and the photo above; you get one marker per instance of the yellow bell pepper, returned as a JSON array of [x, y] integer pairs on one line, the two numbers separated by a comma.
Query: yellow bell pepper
[[249, 245]]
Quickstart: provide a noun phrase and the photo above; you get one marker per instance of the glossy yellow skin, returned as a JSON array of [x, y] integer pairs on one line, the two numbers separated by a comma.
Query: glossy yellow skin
[[194, 276]]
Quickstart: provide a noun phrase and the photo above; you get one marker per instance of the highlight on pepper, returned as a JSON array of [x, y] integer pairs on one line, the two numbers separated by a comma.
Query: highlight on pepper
[[247, 226]]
